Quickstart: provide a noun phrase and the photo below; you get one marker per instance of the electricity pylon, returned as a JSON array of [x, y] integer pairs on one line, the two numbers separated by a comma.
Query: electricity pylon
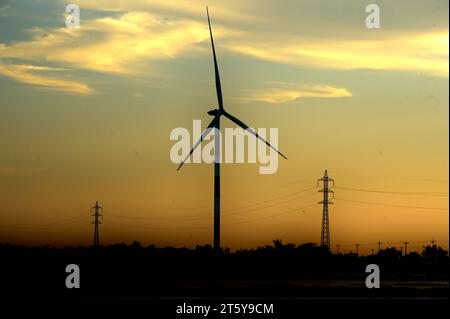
[[96, 222], [325, 235]]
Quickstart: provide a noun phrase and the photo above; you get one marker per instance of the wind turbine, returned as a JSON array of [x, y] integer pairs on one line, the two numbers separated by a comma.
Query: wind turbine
[[215, 123]]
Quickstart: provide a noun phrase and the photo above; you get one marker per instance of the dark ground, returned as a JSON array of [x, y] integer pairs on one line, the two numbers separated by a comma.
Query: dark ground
[[293, 278]]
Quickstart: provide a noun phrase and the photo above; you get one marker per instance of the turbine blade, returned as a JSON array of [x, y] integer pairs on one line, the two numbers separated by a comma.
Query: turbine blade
[[247, 128], [216, 68], [202, 137]]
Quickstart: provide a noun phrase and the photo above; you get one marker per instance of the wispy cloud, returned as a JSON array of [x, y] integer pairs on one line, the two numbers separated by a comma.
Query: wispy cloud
[[280, 95], [140, 33], [26, 74], [222, 9], [427, 53], [111, 44], [120, 44]]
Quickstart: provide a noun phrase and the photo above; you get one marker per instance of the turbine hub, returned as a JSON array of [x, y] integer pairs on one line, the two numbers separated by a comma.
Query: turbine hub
[[213, 112]]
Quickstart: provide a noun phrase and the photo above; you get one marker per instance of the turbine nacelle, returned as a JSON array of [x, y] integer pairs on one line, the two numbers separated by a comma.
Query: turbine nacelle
[[214, 112]]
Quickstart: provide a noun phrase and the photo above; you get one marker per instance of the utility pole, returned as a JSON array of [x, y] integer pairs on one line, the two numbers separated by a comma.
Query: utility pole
[[325, 234], [357, 249], [379, 246], [338, 246], [406, 246], [96, 222]]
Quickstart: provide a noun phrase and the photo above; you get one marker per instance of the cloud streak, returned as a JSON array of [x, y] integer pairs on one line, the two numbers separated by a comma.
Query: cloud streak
[[130, 40], [223, 9], [426, 53], [111, 45], [24, 74], [280, 96], [108, 45]]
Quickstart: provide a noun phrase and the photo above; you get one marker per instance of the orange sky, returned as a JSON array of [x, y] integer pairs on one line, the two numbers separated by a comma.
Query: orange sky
[[86, 115]]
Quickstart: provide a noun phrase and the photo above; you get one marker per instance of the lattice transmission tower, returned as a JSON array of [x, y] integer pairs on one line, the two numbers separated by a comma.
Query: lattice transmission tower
[[325, 235], [97, 216]]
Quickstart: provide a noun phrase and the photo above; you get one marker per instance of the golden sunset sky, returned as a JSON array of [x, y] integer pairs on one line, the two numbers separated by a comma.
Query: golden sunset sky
[[86, 114]]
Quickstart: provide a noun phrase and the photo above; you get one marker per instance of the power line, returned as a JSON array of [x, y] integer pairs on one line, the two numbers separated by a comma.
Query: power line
[[206, 215], [273, 205], [169, 218], [395, 178], [392, 243], [269, 200], [390, 205], [392, 192], [274, 215], [66, 221], [193, 217], [287, 184], [262, 192], [155, 228], [225, 224]]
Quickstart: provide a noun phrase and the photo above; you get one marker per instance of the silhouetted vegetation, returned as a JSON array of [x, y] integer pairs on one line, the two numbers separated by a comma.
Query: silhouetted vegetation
[[277, 269]]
